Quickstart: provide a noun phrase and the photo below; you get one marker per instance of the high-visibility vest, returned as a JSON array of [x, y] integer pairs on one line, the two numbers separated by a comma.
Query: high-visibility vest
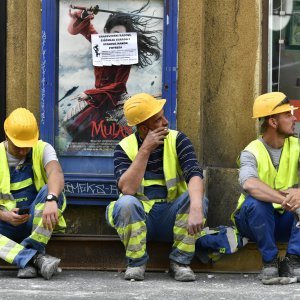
[[173, 178], [287, 174], [40, 179]]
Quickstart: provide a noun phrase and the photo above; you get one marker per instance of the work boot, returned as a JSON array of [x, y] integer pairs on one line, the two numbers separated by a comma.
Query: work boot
[[47, 265], [181, 272], [289, 269], [269, 273], [135, 273], [29, 271]]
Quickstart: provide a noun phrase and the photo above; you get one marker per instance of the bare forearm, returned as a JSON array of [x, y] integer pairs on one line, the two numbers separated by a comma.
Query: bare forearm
[[195, 219], [56, 183], [196, 191], [55, 177], [261, 191], [132, 178]]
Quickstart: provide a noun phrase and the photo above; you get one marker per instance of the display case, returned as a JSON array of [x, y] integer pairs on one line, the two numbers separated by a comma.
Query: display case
[[82, 102]]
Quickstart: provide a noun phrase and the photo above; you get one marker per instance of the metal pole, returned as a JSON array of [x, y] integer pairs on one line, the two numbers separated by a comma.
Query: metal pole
[[96, 9], [3, 25]]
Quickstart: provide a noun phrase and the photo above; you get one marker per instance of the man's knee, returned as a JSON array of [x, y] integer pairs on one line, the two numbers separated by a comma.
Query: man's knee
[[253, 205], [128, 203], [126, 209]]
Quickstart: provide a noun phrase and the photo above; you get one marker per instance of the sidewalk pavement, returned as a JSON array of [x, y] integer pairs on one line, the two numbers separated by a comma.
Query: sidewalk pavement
[[74, 284]]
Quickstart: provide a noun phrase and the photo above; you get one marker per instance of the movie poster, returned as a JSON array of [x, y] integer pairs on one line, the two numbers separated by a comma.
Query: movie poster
[[91, 98]]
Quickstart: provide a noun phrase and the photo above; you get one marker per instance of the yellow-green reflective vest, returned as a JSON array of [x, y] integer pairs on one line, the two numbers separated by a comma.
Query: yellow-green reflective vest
[[287, 174], [174, 180], [40, 179]]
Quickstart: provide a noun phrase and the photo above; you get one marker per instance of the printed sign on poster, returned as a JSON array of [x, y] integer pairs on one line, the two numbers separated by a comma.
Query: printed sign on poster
[[91, 96]]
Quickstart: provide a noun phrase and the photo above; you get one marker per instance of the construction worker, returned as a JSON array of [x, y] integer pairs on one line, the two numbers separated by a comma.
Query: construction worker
[[31, 203], [268, 176], [162, 190]]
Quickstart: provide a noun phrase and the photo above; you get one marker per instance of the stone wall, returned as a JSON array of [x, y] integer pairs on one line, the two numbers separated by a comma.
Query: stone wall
[[219, 75]]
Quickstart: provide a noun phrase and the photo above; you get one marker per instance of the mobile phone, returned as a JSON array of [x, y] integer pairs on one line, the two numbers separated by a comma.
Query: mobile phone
[[23, 211]]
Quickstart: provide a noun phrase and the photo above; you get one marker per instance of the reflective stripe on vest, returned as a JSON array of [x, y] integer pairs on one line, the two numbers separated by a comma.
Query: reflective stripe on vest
[[287, 174], [174, 180], [6, 199]]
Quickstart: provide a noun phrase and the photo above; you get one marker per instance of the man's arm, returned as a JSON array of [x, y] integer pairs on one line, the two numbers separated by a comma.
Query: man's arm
[[55, 186], [261, 191], [55, 178], [13, 217], [292, 199], [252, 185], [196, 192], [193, 175], [131, 180]]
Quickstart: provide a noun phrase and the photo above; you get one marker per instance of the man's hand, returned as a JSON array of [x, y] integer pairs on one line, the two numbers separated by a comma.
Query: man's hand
[[195, 220], [13, 218], [154, 138], [292, 199], [50, 215]]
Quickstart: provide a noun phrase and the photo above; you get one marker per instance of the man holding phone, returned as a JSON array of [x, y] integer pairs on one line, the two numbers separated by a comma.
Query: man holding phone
[[162, 190], [31, 199]]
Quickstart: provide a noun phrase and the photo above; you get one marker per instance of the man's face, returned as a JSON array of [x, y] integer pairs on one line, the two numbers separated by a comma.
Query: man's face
[[285, 123], [17, 152], [157, 121]]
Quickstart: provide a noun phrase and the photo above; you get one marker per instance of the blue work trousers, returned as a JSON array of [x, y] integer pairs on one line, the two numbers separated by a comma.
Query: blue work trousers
[[21, 234], [261, 223], [159, 223]]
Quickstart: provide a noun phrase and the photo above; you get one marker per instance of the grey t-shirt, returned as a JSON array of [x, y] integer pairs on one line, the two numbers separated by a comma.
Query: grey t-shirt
[[48, 155], [248, 163]]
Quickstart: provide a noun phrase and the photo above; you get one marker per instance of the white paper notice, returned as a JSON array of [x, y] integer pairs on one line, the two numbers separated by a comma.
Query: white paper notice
[[115, 49]]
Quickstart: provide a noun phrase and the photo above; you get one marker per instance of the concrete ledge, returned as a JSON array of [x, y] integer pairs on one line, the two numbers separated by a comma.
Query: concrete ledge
[[107, 253], [94, 252]]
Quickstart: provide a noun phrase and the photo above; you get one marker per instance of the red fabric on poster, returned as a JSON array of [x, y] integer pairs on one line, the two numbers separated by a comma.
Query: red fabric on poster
[[110, 83]]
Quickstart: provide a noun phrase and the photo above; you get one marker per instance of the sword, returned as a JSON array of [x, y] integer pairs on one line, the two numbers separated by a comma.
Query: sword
[[96, 9]]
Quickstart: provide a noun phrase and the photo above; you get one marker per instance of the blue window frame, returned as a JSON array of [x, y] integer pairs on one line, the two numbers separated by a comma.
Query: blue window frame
[[3, 66], [89, 175]]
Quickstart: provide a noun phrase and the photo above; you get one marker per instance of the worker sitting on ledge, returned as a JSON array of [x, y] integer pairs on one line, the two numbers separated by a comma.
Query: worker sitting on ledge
[[162, 190], [31, 198]]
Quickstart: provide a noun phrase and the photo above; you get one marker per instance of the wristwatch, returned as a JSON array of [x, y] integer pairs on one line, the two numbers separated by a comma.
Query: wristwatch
[[51, 197]]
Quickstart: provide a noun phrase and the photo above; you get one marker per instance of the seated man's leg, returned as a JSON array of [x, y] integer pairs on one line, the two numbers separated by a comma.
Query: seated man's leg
[[39, 236], [128, 217], [183, 243], [289, 266], [256, 221], [10, 251]]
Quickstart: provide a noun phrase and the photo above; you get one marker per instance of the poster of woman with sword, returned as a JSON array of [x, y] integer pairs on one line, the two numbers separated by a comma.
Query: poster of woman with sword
[[91, 98]]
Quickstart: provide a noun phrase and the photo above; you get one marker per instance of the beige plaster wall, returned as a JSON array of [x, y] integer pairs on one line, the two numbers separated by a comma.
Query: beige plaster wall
[[219, 75], [190, 70], [23, 54], [231, 78]]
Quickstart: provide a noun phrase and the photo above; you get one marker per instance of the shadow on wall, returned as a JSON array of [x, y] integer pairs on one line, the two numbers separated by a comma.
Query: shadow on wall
[[223, 191]]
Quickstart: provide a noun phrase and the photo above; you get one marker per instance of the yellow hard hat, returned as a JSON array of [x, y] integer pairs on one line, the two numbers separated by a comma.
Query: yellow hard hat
[[141, 107], [21, 128], [271, 104]]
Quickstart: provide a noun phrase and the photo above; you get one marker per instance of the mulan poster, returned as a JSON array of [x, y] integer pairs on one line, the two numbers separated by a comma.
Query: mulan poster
[[91, 97]]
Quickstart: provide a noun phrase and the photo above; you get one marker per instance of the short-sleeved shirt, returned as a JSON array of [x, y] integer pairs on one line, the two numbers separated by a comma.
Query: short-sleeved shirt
[[48, 155], [185, 152], [248, 163]]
